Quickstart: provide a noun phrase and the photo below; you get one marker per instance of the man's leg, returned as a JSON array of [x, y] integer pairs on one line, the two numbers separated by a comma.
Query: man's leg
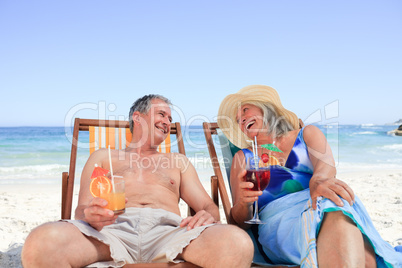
[[341, 244], [61, 244], [220, 245]]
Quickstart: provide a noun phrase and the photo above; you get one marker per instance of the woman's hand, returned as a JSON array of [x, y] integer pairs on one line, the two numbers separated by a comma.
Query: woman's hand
[[242, 195], [330, 188], [246, 195], [97, 215]]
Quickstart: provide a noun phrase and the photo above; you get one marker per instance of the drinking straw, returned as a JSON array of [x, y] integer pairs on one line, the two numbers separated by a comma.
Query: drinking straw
[[256, 146], [256, 152], [111, 168], [252, 145]]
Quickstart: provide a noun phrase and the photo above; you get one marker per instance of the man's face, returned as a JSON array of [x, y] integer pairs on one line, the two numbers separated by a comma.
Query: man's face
[[159, 119]]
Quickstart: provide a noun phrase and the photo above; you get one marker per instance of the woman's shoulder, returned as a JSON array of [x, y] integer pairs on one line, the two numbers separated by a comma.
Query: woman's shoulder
[[312, 133], [310, 129], [239, 155]]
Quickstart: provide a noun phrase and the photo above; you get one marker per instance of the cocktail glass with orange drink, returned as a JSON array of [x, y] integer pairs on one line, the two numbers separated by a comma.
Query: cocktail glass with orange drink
[[111, 190], [115, 197]]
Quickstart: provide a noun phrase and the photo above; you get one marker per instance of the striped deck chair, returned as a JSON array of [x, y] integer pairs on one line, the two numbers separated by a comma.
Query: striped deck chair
[[116, 134], [116, 138], [228, 151]]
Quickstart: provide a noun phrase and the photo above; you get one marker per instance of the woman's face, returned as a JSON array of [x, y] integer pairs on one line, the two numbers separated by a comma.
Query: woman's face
[[250, 119]]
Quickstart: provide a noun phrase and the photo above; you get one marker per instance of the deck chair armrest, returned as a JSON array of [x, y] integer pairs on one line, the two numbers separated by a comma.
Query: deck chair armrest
[[64, 183], [214, 190]]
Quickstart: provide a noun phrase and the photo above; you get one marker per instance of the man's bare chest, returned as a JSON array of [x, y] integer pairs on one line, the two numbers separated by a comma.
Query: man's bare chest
[[148, 172]]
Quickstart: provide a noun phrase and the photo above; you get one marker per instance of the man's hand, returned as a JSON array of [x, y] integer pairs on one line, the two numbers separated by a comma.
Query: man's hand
[[201, 218], [98, 216], [330, 188]]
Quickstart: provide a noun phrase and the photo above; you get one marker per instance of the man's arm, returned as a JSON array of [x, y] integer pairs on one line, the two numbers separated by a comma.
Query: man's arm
[[92, 209], [194, 194]]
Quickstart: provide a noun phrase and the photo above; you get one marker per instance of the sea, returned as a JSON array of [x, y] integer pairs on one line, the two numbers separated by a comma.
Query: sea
[[39, 155]]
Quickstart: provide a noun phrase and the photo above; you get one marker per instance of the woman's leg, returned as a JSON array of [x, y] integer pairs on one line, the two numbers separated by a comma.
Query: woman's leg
[[341, 244]]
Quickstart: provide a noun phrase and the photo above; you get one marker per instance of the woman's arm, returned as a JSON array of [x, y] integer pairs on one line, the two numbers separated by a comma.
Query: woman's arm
[[243, 198], [324, 182]]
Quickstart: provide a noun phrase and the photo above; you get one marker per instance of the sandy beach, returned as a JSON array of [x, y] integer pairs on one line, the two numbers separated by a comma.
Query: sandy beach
[[23, 207]]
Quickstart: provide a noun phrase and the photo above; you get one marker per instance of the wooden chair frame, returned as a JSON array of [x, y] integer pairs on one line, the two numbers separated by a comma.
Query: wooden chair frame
[[68, 177], [217, 180]]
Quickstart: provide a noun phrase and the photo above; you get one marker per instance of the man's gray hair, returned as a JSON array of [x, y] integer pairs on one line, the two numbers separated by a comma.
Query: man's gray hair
[[143, 105]]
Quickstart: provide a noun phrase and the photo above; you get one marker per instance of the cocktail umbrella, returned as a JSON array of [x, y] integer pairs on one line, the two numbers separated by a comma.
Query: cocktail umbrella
[[98, 171], [271, 147]]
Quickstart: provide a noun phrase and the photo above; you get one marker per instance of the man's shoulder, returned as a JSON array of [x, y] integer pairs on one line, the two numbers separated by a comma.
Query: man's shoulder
[[99, 154], [101, 151], [174, 155], [177, 160]]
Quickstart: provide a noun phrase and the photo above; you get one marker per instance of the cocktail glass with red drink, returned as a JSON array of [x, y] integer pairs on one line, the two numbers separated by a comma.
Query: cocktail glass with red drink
[[260, 176]]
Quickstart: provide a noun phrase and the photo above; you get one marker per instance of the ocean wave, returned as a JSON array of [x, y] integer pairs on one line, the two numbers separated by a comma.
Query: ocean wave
[[364, 133], [393, 147], [373, 127], [32, 171], [392, 133], [330, 126]]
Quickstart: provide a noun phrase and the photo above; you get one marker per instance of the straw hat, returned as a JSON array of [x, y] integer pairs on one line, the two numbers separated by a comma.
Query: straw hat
[[231, 104]]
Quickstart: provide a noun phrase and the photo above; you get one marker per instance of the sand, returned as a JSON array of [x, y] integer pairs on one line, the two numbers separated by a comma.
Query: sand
[[23, 207]]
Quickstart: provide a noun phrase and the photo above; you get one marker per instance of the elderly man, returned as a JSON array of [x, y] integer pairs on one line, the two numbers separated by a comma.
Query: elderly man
[[151, 229]]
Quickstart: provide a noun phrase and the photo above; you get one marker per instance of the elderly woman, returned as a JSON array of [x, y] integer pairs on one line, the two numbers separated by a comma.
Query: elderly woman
[[311, 217]]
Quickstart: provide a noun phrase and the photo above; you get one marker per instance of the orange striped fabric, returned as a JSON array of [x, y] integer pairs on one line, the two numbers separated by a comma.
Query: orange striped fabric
[[116, 138]]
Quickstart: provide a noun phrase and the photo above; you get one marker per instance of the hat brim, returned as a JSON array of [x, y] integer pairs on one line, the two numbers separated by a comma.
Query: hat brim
[[230, 105]]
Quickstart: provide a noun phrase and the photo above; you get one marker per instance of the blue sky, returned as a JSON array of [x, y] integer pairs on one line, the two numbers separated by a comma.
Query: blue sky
[[91, 58]]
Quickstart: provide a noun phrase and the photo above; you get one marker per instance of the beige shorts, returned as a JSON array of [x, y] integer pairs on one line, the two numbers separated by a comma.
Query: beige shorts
[[142, 235]]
